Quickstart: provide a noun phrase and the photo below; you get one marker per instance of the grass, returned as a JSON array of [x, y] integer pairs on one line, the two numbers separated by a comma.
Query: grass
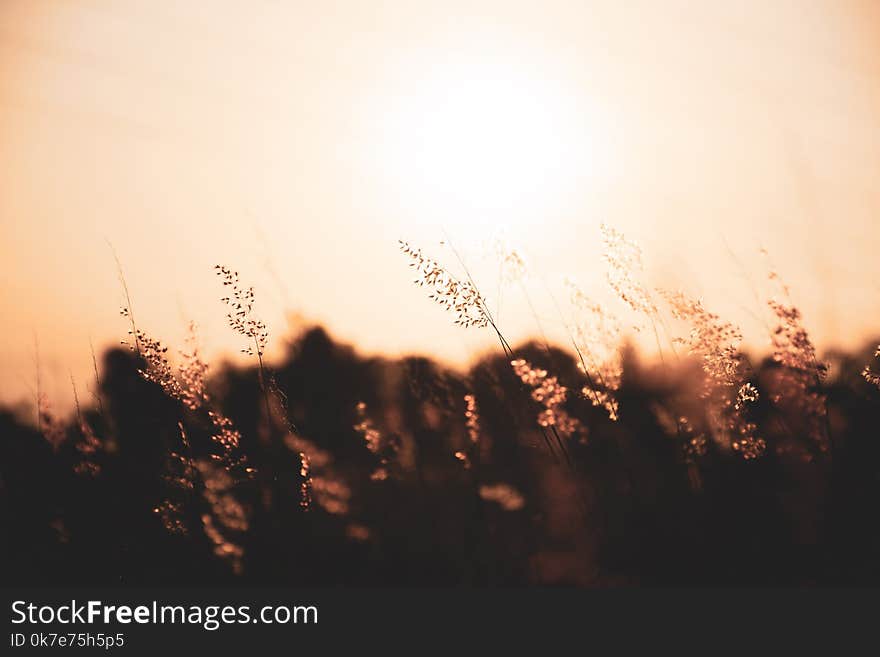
[[537, 466]]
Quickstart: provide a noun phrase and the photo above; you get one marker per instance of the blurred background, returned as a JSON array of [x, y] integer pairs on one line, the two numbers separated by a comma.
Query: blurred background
[[297, 142]]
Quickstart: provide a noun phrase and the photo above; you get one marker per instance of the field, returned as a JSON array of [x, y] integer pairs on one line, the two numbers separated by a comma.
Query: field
[[595, 463]]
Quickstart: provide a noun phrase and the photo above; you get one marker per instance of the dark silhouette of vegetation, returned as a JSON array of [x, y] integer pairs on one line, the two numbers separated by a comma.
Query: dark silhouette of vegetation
[[381, 483]]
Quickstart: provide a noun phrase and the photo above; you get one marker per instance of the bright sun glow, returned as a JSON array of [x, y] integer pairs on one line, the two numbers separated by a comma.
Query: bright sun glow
[[489, 145]]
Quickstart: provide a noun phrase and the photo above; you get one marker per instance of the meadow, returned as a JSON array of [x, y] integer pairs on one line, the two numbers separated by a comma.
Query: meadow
[[596, 463]]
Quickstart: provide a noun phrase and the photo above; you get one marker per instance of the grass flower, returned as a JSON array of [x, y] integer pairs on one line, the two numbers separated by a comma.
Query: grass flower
[[597, 338], [384, 448], [800, 386], [511, 264], [305, 489], [870, 376], [504, 495], [715, 343], [472, 428], [625, 269], [227, 517], [186, 383], [88, 445], [551, 395], [240, 317], [458, 297], [472, 418]]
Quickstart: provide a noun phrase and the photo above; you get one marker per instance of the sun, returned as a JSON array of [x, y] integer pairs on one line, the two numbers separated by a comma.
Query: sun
[[483, 144]]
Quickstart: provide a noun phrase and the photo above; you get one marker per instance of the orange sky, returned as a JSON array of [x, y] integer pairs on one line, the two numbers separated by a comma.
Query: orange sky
[[297, 142]]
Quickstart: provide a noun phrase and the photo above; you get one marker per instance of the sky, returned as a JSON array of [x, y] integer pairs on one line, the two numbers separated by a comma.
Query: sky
[[297, 142]]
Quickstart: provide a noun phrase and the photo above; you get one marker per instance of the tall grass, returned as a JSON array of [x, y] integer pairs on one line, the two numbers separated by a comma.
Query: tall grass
[[238, 470]]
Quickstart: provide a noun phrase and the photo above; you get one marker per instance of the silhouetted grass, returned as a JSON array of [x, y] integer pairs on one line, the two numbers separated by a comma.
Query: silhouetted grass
[[537, 465]]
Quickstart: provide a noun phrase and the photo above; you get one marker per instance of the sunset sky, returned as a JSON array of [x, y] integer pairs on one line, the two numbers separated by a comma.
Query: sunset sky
[[297, 142]]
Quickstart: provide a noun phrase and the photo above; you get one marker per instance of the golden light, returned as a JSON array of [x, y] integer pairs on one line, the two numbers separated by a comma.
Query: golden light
[[481, 144]]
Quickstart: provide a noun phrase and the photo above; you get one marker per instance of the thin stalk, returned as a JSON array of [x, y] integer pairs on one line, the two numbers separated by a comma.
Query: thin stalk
[[39, 391], [75, 400], [262, 379], [97, 394], [128, 308]]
